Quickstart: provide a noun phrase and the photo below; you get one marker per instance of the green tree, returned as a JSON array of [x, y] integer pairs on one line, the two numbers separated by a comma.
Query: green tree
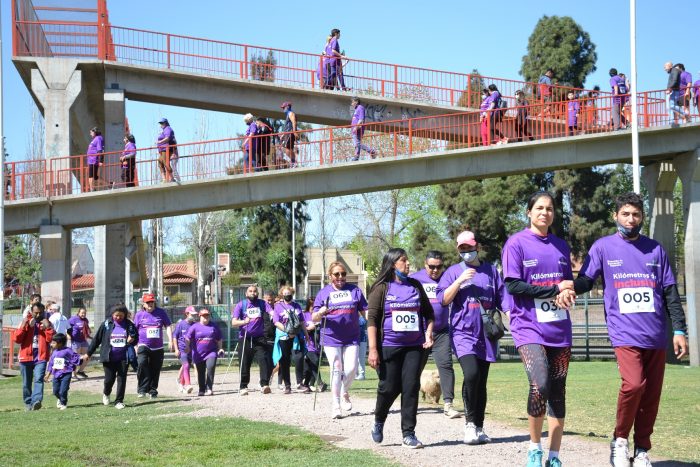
[[471, 97], [22, 262], [262, 67], [558, 42]]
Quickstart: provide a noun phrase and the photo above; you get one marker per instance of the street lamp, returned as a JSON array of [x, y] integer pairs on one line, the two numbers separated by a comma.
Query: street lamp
[[635, 111]]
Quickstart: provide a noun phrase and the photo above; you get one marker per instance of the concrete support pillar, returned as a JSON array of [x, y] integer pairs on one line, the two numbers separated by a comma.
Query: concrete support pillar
[[115, 116], [110, 268], [688, 167], [56, 265], [660, 179]]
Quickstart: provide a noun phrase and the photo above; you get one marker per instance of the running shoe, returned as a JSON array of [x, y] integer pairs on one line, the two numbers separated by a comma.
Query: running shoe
[[287, 390], [450, 411], [553, 462], [411, 442], [188, 389], [208, 392], [305, 390], [378, 432], [62, 407], [483, 437], [641, 458], [119, 406], [471, 437], [345, 403], [336, 413], [360, 377], [324, 387], [180, 387], [243, 392], [82, 374], [58, 403], [36, 405], [105, 399], [266, 390], [534, 458], [141, 395], [619, 453]]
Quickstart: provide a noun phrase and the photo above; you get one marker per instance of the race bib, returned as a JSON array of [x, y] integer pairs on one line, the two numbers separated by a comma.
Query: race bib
[[636, 300], [35, 342], [547, 311], [153, 333], [404, 321], [118, 342], [340, 296], [430, 290], [59, 363], [253, 313]]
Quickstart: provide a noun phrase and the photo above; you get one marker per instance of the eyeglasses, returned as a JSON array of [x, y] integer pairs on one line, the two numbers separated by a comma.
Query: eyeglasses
[[434, 267], [340, 274]]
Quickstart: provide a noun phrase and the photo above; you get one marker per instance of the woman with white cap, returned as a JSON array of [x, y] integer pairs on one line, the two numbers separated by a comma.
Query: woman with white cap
[[250, 143], [472, 287], [183, 377]]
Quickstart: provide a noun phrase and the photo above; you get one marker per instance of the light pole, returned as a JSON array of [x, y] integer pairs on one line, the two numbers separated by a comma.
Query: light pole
[[294, 247], [2, 207], [635, 111]]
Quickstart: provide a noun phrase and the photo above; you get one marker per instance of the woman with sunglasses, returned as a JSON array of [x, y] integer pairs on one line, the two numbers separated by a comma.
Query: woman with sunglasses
[[338, 307]]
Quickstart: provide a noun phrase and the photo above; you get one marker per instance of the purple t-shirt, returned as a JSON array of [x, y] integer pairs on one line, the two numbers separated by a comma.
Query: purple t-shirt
[[311, 344], [686, 80], [150, 326], [358, 115], [696, 89], [619, 81], [251, 131], [282, 310], [403, 326], [468, 335], [166, 133], [572, 109], [203, 341], [96, 147], [78, 327], [442, 313], [63, 361], [334, 46], [255, 311], [485, 104], [542, 261], [129, 149], [343, 320], [634, 276], [117, 342], [181, 329]]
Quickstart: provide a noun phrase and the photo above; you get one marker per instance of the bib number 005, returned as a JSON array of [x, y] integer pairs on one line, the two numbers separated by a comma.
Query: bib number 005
[[636, 300], [404, 321]]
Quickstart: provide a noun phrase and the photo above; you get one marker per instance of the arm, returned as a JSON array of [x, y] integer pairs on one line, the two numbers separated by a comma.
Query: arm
[[375, 314], [96, 341], [520, 287], [373, 356], [293, 119], [451, 292], [674, 309], [169, 331]]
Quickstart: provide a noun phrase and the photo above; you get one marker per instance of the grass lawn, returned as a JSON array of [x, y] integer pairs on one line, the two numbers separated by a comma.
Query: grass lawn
[[157, 432], [591, 399]]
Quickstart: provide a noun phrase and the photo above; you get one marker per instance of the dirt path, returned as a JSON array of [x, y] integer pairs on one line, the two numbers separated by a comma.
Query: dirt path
[[442, 437]]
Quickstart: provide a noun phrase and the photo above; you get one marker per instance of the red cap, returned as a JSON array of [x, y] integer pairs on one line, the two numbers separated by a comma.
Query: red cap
[[285, 104], [148, 297], [466, 238]]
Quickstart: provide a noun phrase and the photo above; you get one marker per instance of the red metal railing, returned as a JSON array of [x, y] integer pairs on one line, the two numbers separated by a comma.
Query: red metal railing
[[333, 145], [10, 348]]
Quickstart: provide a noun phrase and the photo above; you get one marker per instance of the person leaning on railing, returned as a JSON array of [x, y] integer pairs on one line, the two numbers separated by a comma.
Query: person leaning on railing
[[128, 161], [165, 139], [95, 157]]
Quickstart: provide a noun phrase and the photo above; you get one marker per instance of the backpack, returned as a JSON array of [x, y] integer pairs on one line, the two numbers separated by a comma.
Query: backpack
[[502, 104], [264, 132], [268, 326], [293, 325], [622, 87]]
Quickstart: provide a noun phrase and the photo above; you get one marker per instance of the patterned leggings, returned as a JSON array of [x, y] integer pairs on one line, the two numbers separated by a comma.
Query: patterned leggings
[[546, 369]]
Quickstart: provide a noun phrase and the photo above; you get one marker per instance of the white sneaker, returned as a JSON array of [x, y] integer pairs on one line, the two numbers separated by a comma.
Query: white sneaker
[[119, 406], [188, 389], [105, 399], [471, 437], [141, 395], [58, 403], [641, 459], [243, 392], [345, 403], [208, 392], [619, 453], [64, 407], [180, 387], [336, 413], [483, 437], [450, 411]]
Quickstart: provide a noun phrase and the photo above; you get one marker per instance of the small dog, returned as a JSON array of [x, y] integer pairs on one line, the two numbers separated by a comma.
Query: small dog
[[430, 386]]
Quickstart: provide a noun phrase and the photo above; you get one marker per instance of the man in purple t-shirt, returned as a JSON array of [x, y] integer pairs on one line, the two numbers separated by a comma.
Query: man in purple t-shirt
[[358, 130], [442, 343], [249, 316], [573, 108], [150, 323], [639, 291], [619, 90]]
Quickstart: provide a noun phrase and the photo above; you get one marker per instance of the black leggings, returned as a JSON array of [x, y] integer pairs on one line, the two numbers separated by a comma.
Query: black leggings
[[546, 369], [476, 373], [286, 361], [311, 375], [115, 371], [205, 374]]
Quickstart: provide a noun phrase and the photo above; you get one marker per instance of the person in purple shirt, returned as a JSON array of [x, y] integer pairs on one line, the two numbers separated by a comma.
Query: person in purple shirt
[[150, 322], [358, 130], [115, 336], [696, 93], [399, 329], [184, 384], [619, 91], [205, 342], [484, 117], [311, 376], [167, 151], [281, 316], [128, 161], [442, 344], [79, 333], [95, 157], [639, 291], [535, 262], [471, 287], [338, 307], [686, 84], [335, 77], [61, 365], [573, 108], [249, 315], [495, 115], [250, 143]]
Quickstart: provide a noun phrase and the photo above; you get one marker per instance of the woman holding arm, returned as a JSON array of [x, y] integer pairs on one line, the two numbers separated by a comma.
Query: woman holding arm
[[282, 315]]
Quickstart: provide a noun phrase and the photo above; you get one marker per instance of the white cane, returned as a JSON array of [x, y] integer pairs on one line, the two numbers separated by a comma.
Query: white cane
[[240, 363]]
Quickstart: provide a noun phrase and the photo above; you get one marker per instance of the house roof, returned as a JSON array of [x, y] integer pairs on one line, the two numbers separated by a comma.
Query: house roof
[[86, 281], [173, 273], [179, 269]]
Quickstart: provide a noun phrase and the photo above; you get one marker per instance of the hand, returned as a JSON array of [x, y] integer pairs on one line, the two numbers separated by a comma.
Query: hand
[[565, 299], [129, 340], [171, 346], [32, 322], [246, 320], [680, 346], [47, 378], [177, 352], [84, 357], [45, 324], [323, 310], [467, 275], [566, 285], [220, 353], [373, 358], [428, 340]]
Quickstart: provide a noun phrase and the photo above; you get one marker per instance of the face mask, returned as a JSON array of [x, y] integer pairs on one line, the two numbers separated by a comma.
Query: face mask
[[628, 233], [468, 256], [287, 298], [400, 275]]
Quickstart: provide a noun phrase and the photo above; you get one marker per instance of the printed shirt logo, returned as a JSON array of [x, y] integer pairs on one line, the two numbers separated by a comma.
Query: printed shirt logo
[[653, 264], [614, 263], [530, 263]]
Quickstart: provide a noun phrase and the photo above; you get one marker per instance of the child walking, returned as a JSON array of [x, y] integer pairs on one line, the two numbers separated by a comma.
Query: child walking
[[62, 363]]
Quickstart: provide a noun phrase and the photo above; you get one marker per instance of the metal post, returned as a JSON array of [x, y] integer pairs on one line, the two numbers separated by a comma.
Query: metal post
[[216, 273], [2, 207], [635, 111], [588, 339], [294, 257]]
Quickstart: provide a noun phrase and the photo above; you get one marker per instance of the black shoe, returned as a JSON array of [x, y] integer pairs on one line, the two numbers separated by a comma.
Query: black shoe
[[82, 374], [378, 432], [324, 387], [36, 405]]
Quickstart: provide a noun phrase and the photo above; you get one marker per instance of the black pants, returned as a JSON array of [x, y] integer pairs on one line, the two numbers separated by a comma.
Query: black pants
[[298, 359], [148, 374], [286, 361], [205, 374], [521, 130], [311, 376], [115, 371], [253, 347], [128, 170], [399, 373], [476, 373]]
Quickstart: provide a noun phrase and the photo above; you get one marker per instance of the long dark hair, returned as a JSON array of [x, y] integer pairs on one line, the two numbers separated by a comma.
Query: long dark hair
[[533, 199], [386, 271]]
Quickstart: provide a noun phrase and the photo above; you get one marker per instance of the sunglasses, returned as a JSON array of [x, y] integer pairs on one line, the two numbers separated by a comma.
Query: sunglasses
[[340, 274], [434, 268]]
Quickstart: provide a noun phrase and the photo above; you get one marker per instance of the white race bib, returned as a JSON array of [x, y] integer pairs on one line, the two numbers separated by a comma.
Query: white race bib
[[547, 311], [118, 342], [404, 321], [340, 296], [430, 290], [253, 313], [636, 300], [153, 333], [59, 363]]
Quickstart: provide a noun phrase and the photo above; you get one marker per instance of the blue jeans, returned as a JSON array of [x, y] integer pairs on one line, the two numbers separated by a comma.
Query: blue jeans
[[61, 385], [674, 110], [359, 147], [32, 373]]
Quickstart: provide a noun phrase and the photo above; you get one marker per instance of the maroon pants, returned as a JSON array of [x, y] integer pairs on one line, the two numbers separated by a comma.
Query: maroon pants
[[642, 373]]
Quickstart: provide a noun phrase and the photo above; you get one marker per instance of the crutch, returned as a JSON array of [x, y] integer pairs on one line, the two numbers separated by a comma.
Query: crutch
[[230, 362], [240, 363], [320, 357]]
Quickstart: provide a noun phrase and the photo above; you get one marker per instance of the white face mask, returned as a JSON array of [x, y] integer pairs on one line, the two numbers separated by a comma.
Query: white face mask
[[469, 256]]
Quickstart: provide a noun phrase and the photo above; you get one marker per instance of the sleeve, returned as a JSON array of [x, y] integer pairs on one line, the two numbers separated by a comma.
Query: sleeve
[[49, 367], [178, 331], [217, 332], [97, 340], [520, 287], [426, 309], [674, 309], [166, 319], [133, 332], [318, 301], [361, 301], [189, 334], [443, 284], [48, 334], [375, 305], [500, 295], [512, 262], [591, 269], [667, 277], [276, 314], [238, 311], [21, 331], [75, 359]]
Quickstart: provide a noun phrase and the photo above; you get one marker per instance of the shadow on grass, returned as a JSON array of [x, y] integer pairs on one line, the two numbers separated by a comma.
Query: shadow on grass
[[673, 463]]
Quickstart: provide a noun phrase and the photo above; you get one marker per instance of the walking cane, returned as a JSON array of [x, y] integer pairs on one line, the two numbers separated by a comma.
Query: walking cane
[[230, 362], [240, 363], [320, 357]]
